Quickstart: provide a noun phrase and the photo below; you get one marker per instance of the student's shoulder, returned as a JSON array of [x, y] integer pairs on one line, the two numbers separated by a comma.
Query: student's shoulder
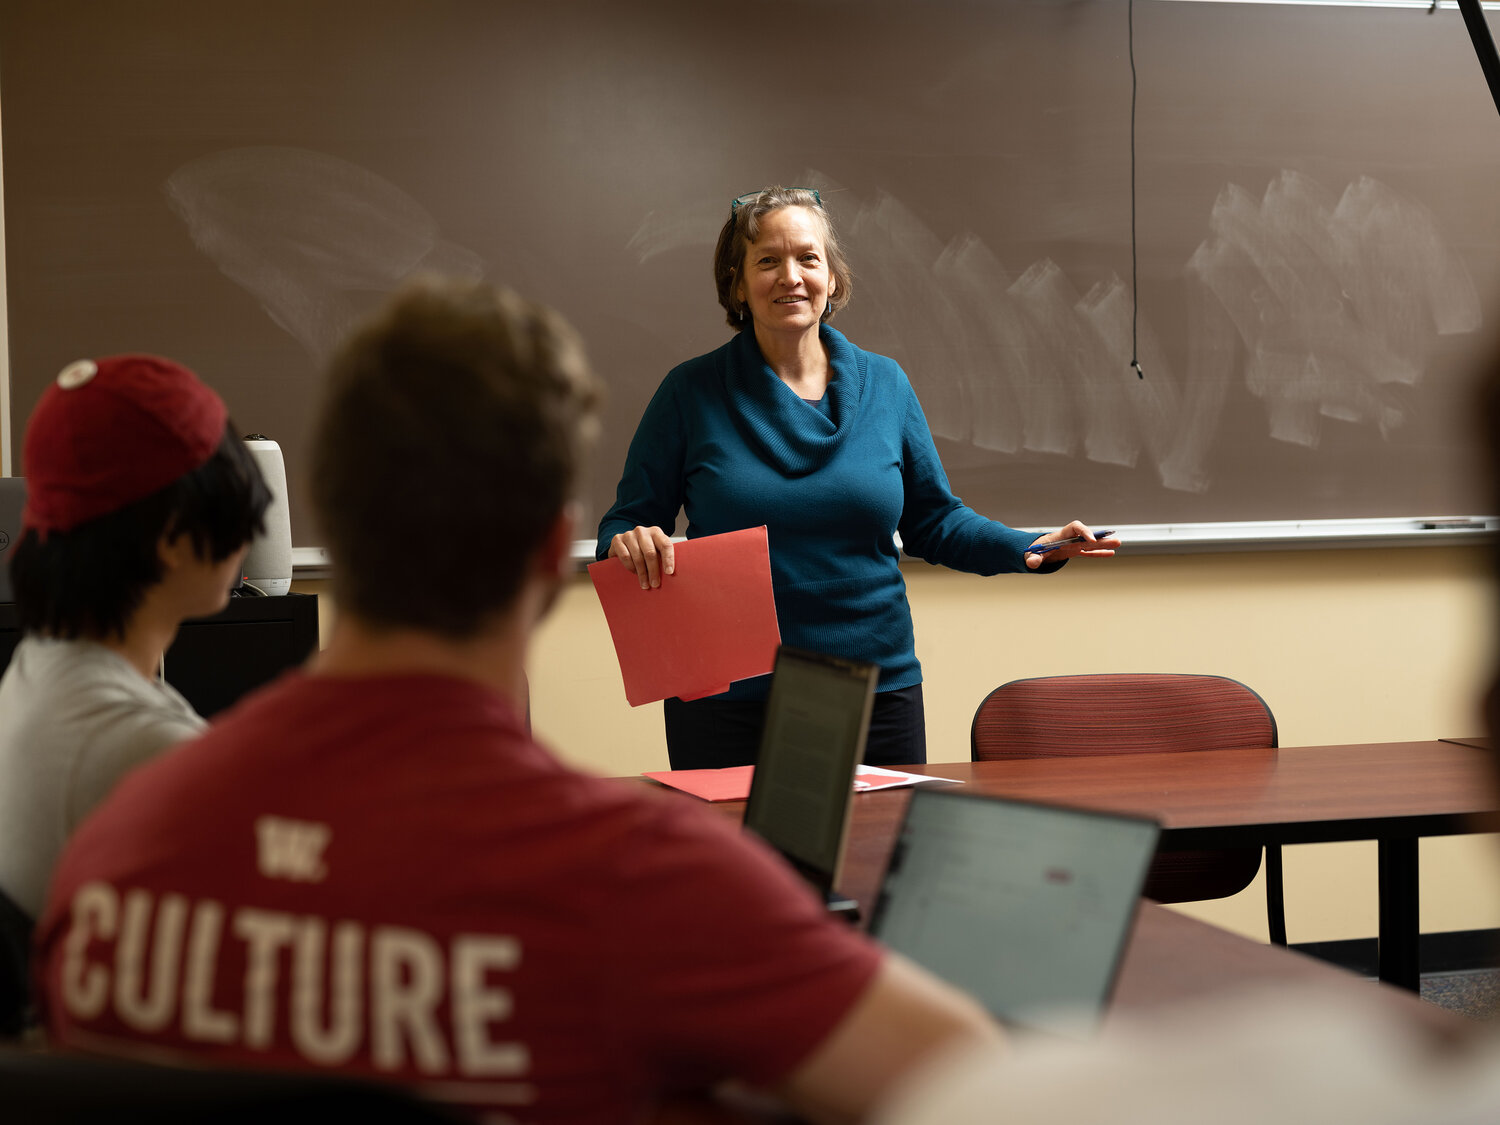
[[49, 662], [644, 826], [636, 806], [667, 839], [85, 687]]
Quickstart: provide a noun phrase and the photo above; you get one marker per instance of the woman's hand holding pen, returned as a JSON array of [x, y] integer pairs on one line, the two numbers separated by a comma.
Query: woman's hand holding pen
[[1071, 541], [644, 551]]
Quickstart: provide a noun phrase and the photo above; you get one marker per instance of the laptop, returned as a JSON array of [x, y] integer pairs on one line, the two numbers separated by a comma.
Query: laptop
[[12, 501], [817, 720], [1027, 907]]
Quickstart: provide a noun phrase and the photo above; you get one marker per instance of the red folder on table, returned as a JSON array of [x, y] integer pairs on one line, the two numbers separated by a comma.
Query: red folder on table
[[710, 622], [732, 783]]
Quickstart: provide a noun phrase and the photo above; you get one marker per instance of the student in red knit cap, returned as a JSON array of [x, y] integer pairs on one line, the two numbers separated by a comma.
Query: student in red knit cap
[[140, 504]]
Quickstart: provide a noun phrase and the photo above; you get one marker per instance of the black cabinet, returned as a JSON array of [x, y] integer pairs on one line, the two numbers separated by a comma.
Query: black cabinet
[[217, 659]]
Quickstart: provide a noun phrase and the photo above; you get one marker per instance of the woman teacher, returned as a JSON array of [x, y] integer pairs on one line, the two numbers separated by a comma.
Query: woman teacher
[[792, 426]]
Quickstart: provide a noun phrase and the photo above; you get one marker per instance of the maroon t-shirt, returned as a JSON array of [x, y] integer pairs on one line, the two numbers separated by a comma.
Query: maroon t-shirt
[[386, 876]]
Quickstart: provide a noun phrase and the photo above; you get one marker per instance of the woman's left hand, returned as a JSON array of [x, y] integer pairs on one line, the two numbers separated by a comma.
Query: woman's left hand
[[1076, 540]]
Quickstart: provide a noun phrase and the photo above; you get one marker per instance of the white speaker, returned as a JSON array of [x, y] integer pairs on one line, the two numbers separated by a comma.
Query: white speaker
[[268, 565]]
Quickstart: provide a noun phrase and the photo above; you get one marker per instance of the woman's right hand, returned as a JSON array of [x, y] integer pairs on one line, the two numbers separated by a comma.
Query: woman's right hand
[[644, 551]]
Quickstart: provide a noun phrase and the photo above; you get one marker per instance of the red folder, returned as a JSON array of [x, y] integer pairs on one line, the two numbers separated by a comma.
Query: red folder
[[732, 783], [710, 622]]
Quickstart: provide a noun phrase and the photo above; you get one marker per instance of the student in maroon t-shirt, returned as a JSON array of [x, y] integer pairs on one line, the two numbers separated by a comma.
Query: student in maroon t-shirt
[[371, 868]]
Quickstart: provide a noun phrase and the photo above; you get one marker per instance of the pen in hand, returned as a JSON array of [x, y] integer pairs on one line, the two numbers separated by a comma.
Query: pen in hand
[[1043, 548]]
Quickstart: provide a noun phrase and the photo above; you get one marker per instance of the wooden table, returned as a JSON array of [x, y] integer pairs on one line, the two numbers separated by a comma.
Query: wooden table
[[1393, 793], [1300, 795], [1171, 958]]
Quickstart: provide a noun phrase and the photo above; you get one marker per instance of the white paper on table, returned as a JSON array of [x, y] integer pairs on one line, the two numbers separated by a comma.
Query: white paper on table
[[867, 778]]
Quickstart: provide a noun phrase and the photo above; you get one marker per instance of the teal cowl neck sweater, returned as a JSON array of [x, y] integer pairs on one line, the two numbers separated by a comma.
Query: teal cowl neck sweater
[[728, 443]]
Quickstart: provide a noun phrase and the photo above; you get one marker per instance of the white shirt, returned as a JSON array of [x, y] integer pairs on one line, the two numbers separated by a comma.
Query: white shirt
[[75, 717]]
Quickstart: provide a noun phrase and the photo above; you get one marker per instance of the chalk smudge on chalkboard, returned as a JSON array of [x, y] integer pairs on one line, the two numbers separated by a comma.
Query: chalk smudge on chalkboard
[[315, 239], [1324, 307], [1337, 301], [893, 255], [1012, 365], [1176, 429], [992, 336], [681, 228], [1055, 367], [1021, 364], [1212, 361]]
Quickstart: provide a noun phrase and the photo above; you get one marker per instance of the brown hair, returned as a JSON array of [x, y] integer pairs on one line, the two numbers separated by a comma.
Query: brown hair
[[451, 433], [743, 227]]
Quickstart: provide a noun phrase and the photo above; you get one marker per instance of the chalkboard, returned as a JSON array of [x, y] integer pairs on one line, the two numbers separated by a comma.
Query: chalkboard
[[1317, 223]]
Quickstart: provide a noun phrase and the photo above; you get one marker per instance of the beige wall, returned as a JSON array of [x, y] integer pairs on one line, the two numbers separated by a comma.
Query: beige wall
[[1358, 645]]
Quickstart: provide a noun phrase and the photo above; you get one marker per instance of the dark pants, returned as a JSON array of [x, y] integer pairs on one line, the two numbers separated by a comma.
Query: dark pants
[[712, 733]]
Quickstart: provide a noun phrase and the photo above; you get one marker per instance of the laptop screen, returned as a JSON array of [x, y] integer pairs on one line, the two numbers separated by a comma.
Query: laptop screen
[[1024, 906], [817, 717]]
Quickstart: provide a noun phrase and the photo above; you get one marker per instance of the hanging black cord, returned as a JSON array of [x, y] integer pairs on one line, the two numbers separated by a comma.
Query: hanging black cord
[[1135, 299], [1484, 45]]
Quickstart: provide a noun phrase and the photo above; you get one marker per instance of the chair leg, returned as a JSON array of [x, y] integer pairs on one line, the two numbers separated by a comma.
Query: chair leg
[[1275, 897]]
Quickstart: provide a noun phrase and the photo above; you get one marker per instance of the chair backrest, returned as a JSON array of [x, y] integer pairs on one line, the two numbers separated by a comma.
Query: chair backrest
[[1118, 713], [15, 961]]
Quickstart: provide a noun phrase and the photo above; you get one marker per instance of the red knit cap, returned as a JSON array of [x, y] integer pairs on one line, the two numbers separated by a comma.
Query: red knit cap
[[109, 432]]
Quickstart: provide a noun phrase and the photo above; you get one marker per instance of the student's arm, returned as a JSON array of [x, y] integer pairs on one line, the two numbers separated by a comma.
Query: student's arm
[[904, 1015], [727, 969]]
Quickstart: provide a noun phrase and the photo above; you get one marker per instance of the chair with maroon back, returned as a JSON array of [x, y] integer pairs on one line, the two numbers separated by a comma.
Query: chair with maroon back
[[1136, 713]]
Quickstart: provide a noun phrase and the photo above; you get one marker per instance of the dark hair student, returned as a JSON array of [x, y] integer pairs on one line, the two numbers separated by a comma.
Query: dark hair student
[[87, 581], [140, 504]]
